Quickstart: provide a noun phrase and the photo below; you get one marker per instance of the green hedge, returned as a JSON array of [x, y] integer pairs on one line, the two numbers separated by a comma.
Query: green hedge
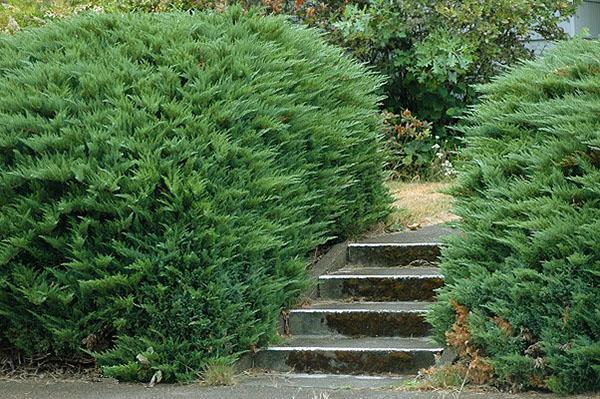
[[431, 58], [163, 179], [527, 265]]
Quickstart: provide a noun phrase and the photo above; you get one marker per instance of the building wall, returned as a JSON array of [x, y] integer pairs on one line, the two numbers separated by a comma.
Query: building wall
[[587, 17]]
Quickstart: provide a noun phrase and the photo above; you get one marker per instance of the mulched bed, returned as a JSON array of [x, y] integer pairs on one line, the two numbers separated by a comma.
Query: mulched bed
[[15, 366]]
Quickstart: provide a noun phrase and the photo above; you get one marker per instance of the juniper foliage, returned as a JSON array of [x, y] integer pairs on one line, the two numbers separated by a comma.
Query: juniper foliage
[[164, 177], [527, 264]]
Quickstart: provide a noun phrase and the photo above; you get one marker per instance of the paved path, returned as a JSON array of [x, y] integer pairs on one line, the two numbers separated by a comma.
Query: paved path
[[247, 387]]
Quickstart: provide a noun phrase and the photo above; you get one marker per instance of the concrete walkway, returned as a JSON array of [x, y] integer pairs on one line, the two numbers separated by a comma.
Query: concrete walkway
[[247, 387]]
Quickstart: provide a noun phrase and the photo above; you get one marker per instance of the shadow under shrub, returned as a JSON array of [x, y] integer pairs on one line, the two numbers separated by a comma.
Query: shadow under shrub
[[163, 178], [526, 268]]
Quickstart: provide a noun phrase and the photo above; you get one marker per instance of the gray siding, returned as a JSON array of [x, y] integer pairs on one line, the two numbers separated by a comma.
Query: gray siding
[[587, 17]]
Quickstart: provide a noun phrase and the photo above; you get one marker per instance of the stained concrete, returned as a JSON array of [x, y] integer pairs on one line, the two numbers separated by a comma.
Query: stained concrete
[[344, 338], [384, 272], [333, 260], [345, 355], [362, 343], [247, 387], [389, 254], [434, 233], [374, 319], [383, 284], [383, 307]]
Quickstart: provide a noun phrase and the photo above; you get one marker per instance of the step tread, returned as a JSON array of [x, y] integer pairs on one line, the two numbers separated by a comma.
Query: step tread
[[425, 234], [384, 272], [394, 244], [371, 344], [376, 307], [412, 264]]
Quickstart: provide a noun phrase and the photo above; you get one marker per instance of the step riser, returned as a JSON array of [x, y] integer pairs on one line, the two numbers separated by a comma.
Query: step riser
[[345, 362], [380, 289], [371, 324], [392, 255]]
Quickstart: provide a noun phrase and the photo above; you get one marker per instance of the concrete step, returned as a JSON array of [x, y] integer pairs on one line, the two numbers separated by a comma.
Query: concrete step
[[392, 254], [434, 233], [339, 355], [373, 319], [381, 284]]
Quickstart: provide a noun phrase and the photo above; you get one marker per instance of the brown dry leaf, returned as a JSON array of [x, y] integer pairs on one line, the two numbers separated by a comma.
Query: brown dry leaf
[[459, 336], [156, 378], [504, 325], [480, 371], [537, 381], [414, 226], [12, 26], [142, 360]]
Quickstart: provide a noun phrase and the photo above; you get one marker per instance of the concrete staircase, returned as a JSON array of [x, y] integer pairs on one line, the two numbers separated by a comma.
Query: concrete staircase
[[368, 316]]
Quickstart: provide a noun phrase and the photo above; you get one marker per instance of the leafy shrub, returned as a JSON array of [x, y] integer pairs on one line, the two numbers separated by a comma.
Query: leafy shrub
[[525, 270], [434, 51], [405, 134], [164, 177]]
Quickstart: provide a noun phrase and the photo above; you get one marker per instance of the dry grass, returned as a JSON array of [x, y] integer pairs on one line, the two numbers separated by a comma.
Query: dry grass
[[449, 381], [434, 379], [419, 204], [218, 373], [416, 204]]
